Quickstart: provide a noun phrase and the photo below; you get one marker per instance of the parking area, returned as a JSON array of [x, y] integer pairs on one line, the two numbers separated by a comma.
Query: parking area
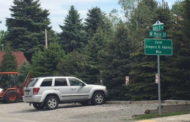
[[22, 112]]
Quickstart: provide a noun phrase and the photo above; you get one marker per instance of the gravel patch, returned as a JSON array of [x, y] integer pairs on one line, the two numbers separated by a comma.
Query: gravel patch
[[22, 112]]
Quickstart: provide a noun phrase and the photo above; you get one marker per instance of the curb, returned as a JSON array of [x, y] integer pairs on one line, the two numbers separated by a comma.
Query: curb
[[170, 102]]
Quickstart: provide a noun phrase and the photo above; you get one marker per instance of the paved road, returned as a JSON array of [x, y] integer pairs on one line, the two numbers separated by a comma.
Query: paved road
[[22, 112]]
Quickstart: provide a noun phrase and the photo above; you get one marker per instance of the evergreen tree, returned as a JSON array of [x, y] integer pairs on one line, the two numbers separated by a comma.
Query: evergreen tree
[[115, 62], [26, 26], [8, 64], [143, 68], [93, 21], [2, 39], [72, 35], [45, 62], [77, 64], [180, 75]]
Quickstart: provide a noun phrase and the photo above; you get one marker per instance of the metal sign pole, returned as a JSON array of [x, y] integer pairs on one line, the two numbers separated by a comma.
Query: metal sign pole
[[159, 84]]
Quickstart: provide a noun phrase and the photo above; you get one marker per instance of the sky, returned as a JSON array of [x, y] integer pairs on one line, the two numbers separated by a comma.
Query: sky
[[59, 9]]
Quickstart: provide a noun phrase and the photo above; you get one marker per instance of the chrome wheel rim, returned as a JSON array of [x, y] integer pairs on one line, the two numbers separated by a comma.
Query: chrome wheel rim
[[99, 99], [52, 103]]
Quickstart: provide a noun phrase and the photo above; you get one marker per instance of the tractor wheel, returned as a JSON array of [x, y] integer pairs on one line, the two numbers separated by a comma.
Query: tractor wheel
[[11, 97]]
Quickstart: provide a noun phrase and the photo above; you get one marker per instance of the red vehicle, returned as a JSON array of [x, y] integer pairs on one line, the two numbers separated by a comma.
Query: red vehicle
[[14, 93]]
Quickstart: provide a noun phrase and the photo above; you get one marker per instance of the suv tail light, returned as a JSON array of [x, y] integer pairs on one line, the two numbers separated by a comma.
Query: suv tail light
[[36, 90]]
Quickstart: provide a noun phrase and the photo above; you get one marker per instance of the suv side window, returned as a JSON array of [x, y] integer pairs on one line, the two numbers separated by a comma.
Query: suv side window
[[75, 82], [60, 82], [46, 83]]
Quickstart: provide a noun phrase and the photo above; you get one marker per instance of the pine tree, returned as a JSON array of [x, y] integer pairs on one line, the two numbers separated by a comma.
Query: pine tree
[[143, 68], [77, 64], [26, 26], [180, 75], [93, 21], [72, 35], [115, 62], [2, 39], [45, 62]]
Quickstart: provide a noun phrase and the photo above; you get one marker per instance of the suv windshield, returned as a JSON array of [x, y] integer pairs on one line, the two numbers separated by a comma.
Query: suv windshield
[[32, 82]]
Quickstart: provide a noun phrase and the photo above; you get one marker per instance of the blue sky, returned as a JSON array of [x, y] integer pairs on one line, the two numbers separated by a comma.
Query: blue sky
[[59, 9]]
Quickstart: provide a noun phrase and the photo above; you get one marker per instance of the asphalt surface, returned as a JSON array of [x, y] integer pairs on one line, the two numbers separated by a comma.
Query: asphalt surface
[[22, 112]]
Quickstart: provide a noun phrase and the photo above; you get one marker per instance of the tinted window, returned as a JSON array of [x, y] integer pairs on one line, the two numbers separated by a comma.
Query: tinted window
[[60, 82], [46, 82], [32, 82], [75, 82]]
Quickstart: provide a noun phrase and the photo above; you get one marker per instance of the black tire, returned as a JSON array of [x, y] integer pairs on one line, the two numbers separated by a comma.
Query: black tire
[[11, 97], [38, 106], [85, 103], [51, 102], [98, 98]]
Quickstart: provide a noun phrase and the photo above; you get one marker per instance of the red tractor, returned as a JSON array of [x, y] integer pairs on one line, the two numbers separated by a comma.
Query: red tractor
[[15, 92]]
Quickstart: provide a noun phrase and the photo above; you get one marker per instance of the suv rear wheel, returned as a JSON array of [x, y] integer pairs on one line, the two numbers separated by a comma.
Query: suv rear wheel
[[98, 98], [51, 102], [38, 106]]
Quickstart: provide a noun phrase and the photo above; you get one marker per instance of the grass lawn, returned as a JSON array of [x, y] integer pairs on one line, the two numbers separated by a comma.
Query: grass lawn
[[149, 116]]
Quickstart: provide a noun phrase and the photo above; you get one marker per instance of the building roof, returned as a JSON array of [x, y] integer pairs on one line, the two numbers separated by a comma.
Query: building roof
[[20, 58]]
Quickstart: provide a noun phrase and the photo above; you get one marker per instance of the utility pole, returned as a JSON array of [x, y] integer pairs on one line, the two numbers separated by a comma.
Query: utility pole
[[46, 39]]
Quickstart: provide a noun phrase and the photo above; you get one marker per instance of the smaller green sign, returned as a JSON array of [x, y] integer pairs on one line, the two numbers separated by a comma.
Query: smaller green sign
[[155, 34], [158, 27], [158, 47]]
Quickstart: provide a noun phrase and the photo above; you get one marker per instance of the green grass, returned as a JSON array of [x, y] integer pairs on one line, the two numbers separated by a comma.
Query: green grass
[[149, 116]]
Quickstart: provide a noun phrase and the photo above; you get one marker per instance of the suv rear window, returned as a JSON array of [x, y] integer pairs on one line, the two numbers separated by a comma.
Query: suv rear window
[[60, 82], [46, 82], [32, 82]]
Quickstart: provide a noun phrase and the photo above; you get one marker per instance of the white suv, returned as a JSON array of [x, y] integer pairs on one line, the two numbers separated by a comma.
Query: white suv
[[48, 92]]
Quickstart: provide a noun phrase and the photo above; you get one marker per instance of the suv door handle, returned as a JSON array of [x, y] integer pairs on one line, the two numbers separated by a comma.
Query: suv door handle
[[56, 89], [73, 88]]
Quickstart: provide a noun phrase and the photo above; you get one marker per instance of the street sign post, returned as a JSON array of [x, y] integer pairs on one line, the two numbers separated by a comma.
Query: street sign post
[[158, 45]]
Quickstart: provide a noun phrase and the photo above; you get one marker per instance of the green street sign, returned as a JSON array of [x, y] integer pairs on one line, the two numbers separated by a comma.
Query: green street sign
[[155, 34], [158, 47], [158, 26]]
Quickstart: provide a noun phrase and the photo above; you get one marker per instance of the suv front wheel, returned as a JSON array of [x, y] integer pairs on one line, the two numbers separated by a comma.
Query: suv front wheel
[[51, 102], [98, 98]]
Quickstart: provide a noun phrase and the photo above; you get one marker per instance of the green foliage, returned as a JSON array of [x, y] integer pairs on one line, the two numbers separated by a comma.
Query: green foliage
[[72, 35], [94, 20], [2, 39], [76, 64], [129, 6], [178, 8], [45, 62], [26, 26], [150, 116], [142, 68], [8, 65], [23, 70], [178, 77], [115, 60], [105, 48]]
